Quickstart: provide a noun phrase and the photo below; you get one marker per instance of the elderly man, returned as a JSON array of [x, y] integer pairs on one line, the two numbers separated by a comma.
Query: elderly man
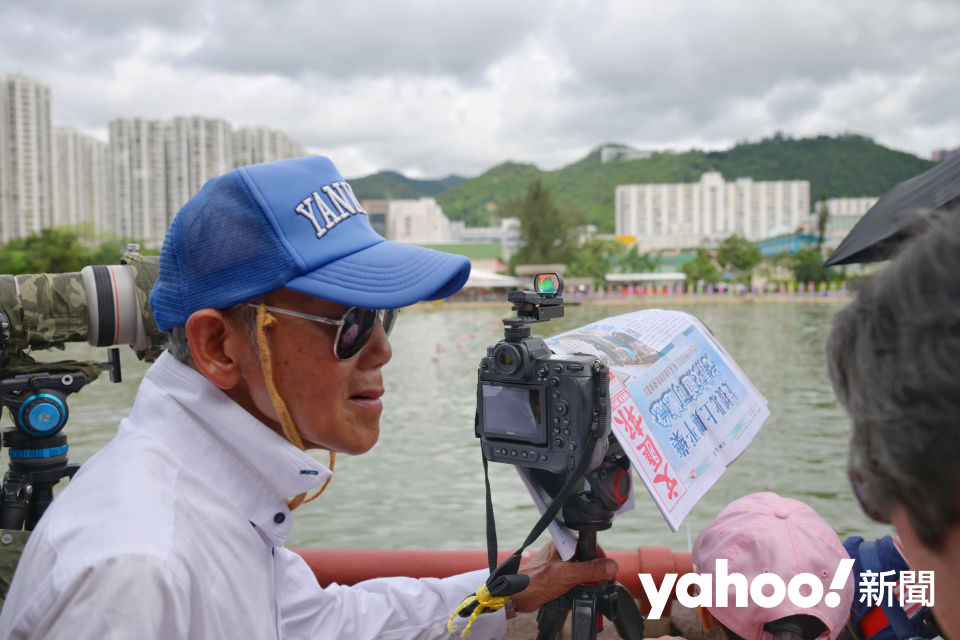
[[278, 297], [894, 359]]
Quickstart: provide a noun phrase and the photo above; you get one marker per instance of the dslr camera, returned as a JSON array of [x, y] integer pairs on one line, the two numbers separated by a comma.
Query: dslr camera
[[549, 414], [537, 409]]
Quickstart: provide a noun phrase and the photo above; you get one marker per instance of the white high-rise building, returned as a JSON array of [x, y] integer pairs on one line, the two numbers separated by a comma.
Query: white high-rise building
[[198, 149], [211, 150], [79, 179], [25, 157], [137, 180], [254, 145], [662, 216], [418, 222], [177, 138]]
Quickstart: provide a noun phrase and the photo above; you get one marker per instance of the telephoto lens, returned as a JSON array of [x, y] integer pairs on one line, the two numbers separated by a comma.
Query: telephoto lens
[[105, 305]]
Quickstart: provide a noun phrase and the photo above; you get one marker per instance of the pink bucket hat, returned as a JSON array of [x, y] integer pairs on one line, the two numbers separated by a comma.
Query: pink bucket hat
[[764, 533]]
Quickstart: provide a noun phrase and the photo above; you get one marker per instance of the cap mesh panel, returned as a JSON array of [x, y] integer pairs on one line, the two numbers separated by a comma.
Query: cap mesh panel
[[220, 250]]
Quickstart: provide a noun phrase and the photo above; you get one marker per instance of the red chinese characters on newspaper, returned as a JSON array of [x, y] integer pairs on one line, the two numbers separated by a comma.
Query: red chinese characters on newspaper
[[644, 450]]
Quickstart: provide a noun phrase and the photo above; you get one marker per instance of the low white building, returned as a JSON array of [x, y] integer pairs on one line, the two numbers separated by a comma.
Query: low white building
[[845, 213], [417, 222], [671, 216]]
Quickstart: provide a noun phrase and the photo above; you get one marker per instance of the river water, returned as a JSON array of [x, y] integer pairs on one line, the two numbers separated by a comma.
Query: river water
[[421, 487]]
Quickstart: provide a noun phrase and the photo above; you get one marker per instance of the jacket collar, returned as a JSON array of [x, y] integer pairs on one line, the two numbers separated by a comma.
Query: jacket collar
[[254, 467]]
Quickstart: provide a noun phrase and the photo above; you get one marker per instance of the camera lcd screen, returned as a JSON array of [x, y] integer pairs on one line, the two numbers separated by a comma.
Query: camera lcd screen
[[516, 413]]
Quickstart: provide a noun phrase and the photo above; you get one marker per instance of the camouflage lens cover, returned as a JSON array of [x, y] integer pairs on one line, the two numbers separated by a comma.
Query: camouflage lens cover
[[49, 310]]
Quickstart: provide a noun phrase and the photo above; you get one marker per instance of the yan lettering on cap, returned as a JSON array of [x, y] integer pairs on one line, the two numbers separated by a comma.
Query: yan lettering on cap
[[342, 198]]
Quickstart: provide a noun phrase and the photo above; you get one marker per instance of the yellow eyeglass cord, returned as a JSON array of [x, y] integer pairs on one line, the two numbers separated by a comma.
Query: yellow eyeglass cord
[[266, 321]]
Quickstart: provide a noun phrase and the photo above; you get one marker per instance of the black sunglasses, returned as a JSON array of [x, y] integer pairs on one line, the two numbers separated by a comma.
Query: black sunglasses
[[861, 489], [353, 329]]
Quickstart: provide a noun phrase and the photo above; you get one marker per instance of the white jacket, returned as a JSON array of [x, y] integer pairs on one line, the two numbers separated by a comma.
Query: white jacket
[[176, 530]]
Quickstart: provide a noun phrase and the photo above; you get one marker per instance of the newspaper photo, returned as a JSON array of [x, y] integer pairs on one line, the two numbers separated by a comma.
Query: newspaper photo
[[682, 409]]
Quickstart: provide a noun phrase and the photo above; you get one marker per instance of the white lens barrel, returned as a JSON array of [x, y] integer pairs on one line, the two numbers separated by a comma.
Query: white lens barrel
[[113, 306]]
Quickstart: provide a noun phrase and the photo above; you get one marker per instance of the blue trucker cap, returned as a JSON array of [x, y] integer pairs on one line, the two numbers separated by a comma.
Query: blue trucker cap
[[295, 224]]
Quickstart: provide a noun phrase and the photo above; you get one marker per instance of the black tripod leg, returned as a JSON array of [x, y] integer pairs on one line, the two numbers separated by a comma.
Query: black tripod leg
[[584, 624], [550, 621], [629, 620]]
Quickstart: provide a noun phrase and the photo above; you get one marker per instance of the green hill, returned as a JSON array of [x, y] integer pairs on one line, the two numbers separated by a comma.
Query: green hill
[[846, 165], [391, 185]]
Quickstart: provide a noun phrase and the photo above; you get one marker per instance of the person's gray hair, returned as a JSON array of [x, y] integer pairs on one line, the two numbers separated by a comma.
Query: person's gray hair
[[179, 347], [894, 359]]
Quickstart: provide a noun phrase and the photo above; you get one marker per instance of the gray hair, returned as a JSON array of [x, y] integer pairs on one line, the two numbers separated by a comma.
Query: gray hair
[[894, 360], [179, 346]]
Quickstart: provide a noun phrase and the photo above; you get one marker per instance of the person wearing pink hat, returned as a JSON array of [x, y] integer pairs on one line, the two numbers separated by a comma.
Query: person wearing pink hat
[[763, 534]]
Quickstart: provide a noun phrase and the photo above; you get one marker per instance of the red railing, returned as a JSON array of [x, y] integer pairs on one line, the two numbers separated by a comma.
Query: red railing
[[352, 566]]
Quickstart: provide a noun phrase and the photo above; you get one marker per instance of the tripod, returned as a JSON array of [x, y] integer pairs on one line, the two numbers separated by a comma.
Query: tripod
[[589, 511], [590, 603], [27, 488]]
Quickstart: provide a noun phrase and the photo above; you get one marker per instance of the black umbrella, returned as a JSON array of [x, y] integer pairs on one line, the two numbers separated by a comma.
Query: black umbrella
[[899, 214]]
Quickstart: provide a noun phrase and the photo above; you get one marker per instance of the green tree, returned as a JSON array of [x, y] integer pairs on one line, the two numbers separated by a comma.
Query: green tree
[[60, 250], [57, 250], [739, 254], [778, 267], [701, 268], [595, 259], [823, 216], [808, 266], [635, 262], [546, 230]]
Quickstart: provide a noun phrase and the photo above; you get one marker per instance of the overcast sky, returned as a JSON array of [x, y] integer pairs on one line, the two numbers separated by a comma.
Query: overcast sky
[[431, 88]]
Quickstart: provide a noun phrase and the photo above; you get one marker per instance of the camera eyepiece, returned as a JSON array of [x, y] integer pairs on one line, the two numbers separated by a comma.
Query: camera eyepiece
[[508, 359]]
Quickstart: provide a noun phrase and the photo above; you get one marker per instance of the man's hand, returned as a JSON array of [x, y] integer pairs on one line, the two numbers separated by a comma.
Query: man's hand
[[551, 577]]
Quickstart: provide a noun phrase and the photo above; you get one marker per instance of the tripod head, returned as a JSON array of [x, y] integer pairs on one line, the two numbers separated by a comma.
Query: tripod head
[[591, 508], [602, 491], [37, 402]]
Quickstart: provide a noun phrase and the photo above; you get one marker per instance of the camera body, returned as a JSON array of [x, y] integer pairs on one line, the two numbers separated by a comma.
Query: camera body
[[535, 408]]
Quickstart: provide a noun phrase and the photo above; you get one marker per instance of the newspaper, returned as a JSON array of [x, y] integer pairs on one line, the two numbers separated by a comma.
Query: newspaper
[[682, 409]]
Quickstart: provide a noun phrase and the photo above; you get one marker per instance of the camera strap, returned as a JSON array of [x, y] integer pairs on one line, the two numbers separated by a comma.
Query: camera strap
[[568, 488]]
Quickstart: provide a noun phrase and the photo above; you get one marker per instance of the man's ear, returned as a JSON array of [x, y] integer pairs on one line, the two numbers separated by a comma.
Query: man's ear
[[706, 618], [217, 346]]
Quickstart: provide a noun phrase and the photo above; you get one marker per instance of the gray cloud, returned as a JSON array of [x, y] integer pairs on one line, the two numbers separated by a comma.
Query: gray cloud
[[364, 39], [431, 87]]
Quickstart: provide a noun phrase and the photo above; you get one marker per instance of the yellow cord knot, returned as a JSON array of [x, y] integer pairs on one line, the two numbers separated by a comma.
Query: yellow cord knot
[[485, 604], [266, 320]]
